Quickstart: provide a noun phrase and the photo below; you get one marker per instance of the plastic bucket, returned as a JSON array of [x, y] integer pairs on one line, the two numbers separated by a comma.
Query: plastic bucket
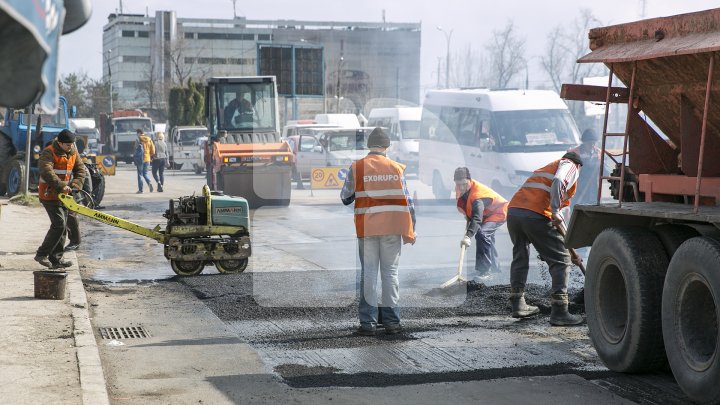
[[50, 285]]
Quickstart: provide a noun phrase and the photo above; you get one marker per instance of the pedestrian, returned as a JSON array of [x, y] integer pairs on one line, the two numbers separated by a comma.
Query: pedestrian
[[144, 149], [485, 211], [60, 172], [587, 186], [384, 220], [534, 213], [159, 161]]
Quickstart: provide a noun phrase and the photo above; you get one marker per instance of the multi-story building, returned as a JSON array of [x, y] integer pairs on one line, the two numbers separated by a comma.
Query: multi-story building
[[321, 66]]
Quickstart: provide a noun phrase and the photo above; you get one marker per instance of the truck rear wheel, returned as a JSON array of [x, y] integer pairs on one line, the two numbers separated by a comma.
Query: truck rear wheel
[[623, 286], [691, 312], [15, 177], [98, 191]]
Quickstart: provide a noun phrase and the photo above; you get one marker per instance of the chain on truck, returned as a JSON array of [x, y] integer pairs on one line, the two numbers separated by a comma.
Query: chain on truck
[[652, 288], [246, 155]]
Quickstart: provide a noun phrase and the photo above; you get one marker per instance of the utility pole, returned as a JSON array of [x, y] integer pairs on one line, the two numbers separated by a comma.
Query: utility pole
[[448, 36], [337, 90], [438, 72], [110, 79]]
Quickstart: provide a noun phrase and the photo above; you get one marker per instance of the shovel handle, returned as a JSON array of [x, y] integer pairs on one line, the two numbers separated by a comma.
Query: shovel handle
[[460, 262], [575, 257]]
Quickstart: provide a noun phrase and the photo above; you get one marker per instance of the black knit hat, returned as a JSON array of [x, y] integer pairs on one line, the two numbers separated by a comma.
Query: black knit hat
[[378, 139], [589, 135], [66, 136], [574, 157], [461, 173]]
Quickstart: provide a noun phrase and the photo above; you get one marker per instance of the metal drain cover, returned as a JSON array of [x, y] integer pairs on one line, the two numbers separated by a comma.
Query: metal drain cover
[[129, 332]]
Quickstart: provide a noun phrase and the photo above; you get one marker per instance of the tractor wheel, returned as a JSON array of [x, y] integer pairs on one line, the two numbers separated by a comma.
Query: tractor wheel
[[187, 267], [15, 178], [690, 317], [623, 288], [98, 191], [231, 266]]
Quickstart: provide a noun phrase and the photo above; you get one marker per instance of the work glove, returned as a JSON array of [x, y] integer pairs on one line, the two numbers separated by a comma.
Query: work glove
[[465, 241]]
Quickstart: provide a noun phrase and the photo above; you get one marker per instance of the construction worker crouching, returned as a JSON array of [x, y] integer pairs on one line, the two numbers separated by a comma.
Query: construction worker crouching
[[485, 211], [533, 215], [384, 220]]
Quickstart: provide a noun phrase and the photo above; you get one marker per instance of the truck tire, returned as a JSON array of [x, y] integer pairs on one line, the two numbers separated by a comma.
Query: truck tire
[[690, 316], [672, 236], [15, 177], [623, 290], [6, 151]]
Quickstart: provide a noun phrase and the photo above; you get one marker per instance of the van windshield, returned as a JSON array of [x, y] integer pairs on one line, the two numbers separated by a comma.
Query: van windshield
[[410, 129], [351, 140], [534, 130], [190, 136]]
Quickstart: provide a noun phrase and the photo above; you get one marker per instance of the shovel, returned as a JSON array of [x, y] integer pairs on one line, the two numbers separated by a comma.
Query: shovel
[[458, 277]]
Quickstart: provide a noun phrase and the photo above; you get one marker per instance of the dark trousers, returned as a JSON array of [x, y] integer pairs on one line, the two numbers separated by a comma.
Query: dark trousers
[[158, 170], [548, 243], [486, 255], [54, 242], [73, 229]]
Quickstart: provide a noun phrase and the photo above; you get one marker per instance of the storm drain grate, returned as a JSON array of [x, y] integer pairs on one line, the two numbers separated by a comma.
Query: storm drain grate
[[130, 332]]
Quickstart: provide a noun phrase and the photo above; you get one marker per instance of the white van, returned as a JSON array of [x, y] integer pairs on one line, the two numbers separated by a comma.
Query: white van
[[341, 120], [403, 127], [502, 136]]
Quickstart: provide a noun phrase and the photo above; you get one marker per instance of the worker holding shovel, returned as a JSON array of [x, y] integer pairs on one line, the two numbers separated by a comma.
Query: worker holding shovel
[[485, 211], [534, 216]]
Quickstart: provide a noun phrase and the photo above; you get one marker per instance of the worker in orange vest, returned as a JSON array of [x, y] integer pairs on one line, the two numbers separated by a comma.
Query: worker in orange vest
[[60, 172], [534, 213], [485, 211], [384, 220]]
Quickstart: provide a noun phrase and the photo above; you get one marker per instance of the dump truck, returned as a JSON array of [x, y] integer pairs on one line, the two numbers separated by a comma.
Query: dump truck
[[249, 158], [118, 132], [652, 288]]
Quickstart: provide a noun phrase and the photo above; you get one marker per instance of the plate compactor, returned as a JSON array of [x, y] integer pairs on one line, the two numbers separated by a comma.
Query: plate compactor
[[211, 228]]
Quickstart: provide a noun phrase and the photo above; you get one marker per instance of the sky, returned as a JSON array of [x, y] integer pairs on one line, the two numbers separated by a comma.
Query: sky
[[471, 21]]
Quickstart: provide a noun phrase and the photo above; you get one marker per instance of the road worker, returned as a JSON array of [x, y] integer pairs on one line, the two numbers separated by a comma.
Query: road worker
[[534, 213], [384, 220], [60, 172], [485, 211], [587, 185]]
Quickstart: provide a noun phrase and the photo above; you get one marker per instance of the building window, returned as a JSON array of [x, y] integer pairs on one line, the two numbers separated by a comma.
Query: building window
[[264, 37], [189, 60], [136, 59], [212, 61], [189, 35], [143, 34], [128, 34], [241, 61], [135, 84], [225, 36]]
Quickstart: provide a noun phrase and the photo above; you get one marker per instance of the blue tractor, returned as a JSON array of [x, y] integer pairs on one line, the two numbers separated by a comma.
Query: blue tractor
[[13, 145]]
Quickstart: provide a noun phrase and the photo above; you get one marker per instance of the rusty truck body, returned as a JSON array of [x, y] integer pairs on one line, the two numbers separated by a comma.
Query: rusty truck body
[[652, 289]]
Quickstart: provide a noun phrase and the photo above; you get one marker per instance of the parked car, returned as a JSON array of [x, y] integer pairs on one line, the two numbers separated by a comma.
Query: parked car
[[326, 147]]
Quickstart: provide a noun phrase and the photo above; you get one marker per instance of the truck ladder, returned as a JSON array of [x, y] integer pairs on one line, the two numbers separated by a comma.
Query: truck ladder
[[624, 134]]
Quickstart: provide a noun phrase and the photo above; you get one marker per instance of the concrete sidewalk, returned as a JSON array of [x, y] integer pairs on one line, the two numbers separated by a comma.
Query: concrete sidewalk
[[49, 354]]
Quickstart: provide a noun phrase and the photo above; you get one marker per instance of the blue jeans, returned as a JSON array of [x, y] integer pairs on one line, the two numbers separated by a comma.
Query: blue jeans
[[486, 255], [142, 172], [379, 253]]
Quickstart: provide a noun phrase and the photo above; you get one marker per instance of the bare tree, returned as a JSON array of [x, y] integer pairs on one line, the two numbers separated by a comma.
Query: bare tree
[[183, 64], [506, 55], [469, 68], [565, 46]]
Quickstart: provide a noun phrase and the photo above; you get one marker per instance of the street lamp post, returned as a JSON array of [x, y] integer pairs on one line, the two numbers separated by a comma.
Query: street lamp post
[[109, 79], [448, 36], [337, 90]]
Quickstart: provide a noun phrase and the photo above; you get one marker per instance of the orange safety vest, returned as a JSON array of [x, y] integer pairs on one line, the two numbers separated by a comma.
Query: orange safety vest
[[496, 211], [534, 194], [381, 207], [63, 168]]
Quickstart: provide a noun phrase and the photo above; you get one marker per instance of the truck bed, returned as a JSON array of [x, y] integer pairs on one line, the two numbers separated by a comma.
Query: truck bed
[[589, 220]]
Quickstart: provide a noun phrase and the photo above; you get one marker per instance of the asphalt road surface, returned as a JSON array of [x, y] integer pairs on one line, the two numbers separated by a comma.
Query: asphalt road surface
[[294, 309]]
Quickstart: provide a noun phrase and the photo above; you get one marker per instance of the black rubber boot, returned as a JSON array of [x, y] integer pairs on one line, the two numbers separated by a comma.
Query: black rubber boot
[[519, 308], [559, 315]]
